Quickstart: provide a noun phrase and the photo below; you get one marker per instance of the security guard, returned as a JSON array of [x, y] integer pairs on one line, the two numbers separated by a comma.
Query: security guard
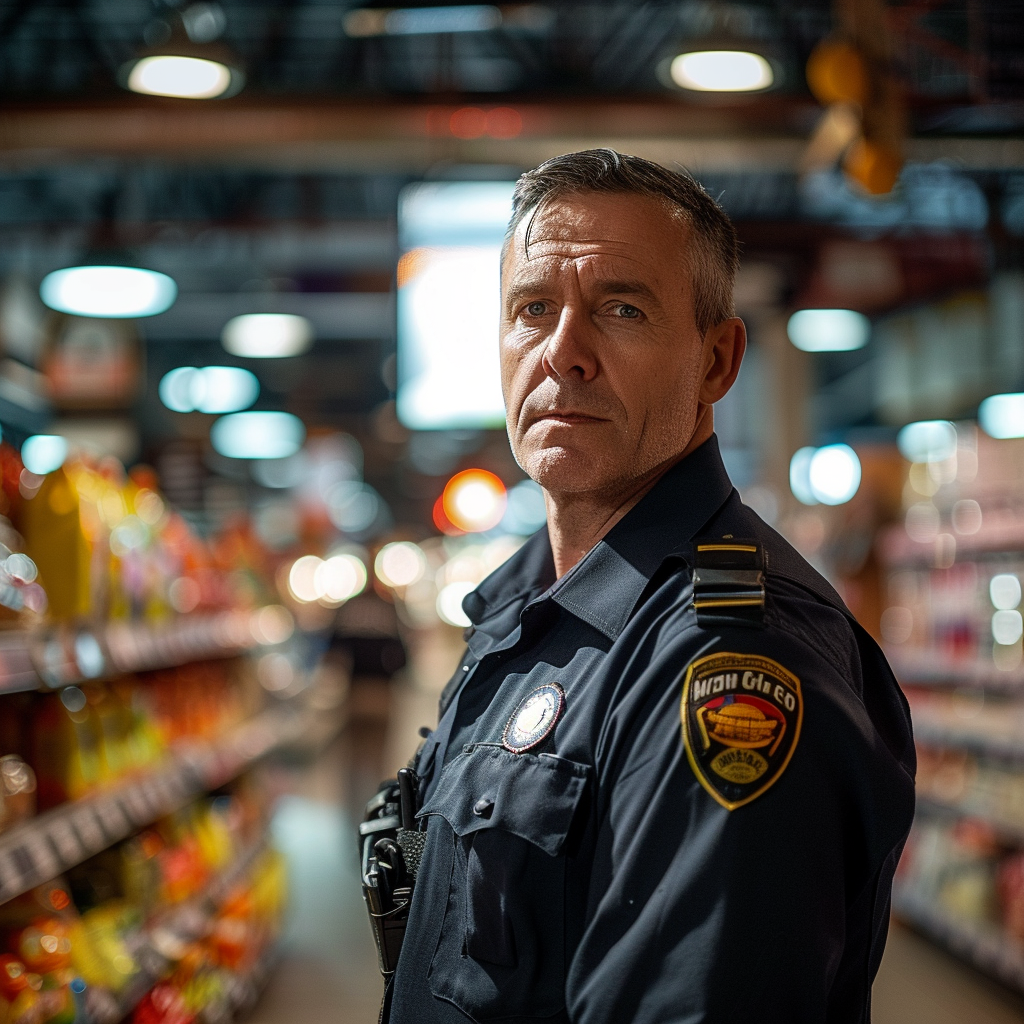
[[672, 775]]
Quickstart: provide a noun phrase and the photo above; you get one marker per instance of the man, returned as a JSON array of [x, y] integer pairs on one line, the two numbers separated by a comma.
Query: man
[[672, 776]]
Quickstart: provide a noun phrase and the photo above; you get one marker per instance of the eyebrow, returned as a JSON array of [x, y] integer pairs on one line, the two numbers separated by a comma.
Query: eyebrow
[[521, 289]]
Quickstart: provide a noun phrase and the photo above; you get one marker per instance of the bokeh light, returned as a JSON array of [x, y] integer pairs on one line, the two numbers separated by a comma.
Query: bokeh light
[[828, 330], [1004, 591], [834, 474], [339, 578], [1002, 416], [400, 564], [800, 476], [209, 389], [267, 335], [302, 578], [474, 500], [1007, 627], [449, 602], [43, 453], [927, 441]]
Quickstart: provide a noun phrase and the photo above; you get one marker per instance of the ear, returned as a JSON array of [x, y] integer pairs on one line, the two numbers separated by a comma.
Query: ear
[[724, 345]]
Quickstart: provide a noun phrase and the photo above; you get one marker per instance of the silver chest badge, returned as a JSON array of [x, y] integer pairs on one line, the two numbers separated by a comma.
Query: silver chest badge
[[532, 722]]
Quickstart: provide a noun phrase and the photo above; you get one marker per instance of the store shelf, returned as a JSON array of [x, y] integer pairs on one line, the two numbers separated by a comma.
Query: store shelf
[[984, 946], [936, 669], [1009, 747], [54, 841], [62, 656], [162, 941], [1009, 831], [1002, 531], [243, 990]]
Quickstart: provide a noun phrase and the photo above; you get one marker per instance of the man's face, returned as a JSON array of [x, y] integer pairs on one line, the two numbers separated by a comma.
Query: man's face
[[601, 359]]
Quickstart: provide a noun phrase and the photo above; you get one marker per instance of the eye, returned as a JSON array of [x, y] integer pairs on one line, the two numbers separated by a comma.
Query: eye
[[626, 311], [536, 308]]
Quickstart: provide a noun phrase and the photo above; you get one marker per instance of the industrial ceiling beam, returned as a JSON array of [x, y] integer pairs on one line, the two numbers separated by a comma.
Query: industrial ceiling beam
[[416, 137], [399, 135]]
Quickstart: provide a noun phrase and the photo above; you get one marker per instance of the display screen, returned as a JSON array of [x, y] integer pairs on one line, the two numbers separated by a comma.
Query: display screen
[[449, 300]]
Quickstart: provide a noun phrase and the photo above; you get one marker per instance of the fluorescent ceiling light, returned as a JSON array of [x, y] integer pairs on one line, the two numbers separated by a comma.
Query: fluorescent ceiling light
[[267, 335], [43, 453], [1002, 416], [210, 389], [102, 291], [185, 77], [828, 330], [258, 435], [927, 441], [721, 71]]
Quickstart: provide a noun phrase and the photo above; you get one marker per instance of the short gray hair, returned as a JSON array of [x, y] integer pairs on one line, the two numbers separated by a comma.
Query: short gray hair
[[714, 250]]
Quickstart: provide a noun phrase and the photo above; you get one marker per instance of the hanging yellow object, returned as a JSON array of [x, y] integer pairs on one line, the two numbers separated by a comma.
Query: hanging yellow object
[[52, 527], [874, 167], [838, 73]]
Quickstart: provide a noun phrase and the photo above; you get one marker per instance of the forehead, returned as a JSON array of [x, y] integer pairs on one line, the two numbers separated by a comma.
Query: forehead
[[617, 228]]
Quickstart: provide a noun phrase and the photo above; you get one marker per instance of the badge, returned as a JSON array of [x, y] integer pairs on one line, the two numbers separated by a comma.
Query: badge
[[533, 720], [741, 720]]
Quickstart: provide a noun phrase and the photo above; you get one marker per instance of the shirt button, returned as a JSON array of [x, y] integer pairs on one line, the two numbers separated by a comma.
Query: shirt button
[[483, 807]]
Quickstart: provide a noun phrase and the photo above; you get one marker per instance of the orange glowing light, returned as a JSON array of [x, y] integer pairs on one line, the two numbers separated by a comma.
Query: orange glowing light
[[474, 500]]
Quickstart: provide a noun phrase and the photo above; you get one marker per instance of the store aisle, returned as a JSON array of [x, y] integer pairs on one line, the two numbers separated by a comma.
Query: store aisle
[[327, 971], [921, 984]]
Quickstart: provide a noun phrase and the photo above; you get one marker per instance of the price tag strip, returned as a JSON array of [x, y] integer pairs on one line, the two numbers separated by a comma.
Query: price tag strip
[[44, 847]]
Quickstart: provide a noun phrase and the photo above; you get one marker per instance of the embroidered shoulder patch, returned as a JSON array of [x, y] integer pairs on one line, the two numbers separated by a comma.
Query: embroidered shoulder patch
[[741, 721]]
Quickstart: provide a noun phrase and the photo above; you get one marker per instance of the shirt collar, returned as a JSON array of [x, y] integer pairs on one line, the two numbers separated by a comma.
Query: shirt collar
[[603, 588]]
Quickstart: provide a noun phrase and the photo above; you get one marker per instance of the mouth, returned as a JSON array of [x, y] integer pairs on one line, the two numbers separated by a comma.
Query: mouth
[[568, 418]]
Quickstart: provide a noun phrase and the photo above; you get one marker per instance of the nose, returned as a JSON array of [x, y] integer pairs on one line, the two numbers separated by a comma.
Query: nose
[[569, 350]]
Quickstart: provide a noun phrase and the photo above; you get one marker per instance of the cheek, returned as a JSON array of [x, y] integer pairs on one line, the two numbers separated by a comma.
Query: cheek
[[519, 364]]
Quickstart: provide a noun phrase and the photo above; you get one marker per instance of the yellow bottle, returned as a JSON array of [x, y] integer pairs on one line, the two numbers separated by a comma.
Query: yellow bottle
[[55, 541]]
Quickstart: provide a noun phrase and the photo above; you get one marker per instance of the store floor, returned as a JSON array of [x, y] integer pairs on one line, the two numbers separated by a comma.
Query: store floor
[[327, 972]]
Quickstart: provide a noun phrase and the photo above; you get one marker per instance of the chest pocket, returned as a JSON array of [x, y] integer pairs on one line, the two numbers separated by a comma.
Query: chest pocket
[[501, 951]]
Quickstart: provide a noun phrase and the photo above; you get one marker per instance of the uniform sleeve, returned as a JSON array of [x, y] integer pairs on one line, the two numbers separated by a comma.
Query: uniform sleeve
[[748, 880]]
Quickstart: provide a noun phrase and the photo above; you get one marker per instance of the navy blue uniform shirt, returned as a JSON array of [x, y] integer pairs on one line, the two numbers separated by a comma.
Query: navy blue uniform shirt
[[634, 817]]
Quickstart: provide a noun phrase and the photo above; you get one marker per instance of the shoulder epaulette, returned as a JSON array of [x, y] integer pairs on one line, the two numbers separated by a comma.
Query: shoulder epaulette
[[728, 582]]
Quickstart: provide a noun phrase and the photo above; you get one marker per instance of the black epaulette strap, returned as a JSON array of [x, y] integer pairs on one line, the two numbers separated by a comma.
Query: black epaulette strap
[[728, 583]]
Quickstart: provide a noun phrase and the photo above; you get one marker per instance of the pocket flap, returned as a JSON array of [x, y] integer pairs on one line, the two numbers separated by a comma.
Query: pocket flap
[[531, 796]]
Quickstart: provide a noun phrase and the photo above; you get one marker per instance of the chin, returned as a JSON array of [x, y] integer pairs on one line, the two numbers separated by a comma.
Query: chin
[[570, 470]]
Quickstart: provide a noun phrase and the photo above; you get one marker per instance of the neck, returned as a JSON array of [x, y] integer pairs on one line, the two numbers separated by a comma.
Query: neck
[[577, 521]]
